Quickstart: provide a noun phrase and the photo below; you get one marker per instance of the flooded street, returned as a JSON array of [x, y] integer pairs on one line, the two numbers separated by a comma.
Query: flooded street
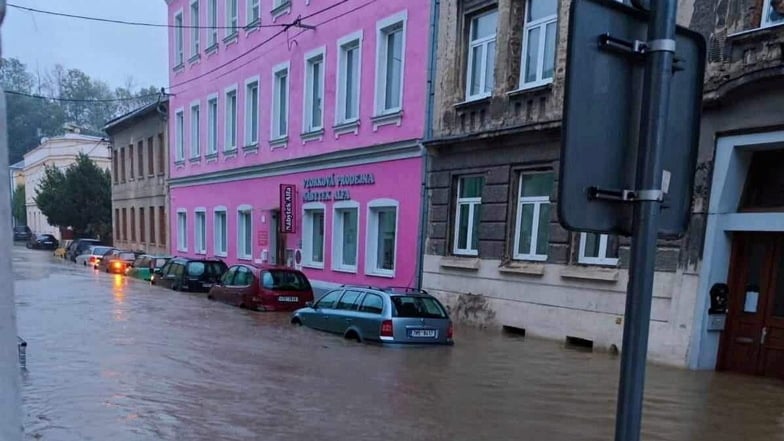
[[116, 359]]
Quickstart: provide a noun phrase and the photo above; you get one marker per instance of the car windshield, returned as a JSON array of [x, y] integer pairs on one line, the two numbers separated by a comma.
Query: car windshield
[[418, 307], [127, 256], [100, 251], [284, 281], [197, 268], [159, 263]]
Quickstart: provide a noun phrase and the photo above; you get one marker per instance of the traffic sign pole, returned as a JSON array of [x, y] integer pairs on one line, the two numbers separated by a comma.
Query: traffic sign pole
[[660, 50]]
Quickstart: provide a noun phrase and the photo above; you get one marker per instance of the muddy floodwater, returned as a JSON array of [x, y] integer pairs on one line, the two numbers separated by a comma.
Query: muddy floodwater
[[116, 359]]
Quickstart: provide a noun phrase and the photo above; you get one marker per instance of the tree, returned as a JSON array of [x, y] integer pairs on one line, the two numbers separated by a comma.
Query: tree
[[79, 198], [19, 205]]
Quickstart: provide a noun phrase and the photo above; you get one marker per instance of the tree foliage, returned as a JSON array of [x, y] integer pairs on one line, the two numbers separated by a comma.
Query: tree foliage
[[18, 205], [78, 197]]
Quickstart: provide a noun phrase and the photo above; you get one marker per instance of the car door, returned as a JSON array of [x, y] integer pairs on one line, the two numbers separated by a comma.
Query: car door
[[324, 310], [219, 291], [242, 281], [369, 316], [345, 311], [169, 276]]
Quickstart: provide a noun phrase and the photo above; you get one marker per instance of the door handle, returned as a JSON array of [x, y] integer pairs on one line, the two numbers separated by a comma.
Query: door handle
[[764, 335], [348, 320]]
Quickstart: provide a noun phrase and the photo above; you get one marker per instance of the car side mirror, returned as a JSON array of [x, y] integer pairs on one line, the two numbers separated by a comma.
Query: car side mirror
[[310, 305], [156, 271]]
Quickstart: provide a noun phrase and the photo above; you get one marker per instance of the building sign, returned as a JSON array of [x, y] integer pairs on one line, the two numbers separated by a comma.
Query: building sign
[[337, 183], [263, 238], [288, 221]]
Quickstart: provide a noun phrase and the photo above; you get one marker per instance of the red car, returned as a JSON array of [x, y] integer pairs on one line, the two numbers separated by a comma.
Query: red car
[[265, 288]]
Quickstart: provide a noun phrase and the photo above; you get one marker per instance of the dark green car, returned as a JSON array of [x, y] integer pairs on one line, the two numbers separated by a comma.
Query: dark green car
[[144, 266]]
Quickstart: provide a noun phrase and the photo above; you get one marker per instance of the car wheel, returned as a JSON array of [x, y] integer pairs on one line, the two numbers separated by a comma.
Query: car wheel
[[353, 335], [210, 297], [296, 321]]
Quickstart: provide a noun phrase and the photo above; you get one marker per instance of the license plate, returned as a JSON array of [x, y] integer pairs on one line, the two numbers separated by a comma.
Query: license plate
[[207, 285], [423, 333], [288, 299]]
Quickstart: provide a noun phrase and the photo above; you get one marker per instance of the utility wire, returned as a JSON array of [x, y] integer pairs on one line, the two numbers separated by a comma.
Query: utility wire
[[76, 100], [133, 23]]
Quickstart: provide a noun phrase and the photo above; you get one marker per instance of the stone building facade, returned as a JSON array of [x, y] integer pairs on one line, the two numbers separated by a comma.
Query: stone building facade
[[139, 147]]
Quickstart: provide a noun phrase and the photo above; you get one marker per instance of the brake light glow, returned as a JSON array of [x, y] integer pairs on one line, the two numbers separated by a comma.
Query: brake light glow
[[450, 331], [92, 259], [118, 264], [387, 329]]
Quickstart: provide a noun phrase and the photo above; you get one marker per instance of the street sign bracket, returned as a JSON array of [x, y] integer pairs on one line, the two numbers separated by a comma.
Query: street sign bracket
[[637, 49], [625, 195]]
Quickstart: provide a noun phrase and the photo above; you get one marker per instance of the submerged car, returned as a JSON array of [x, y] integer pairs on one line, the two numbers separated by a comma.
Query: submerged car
[[119, 263], [268, 288], [43, 242], [145, 265], [92, 257], [22, 233], [78, 247], [196, 275], [384, 315]]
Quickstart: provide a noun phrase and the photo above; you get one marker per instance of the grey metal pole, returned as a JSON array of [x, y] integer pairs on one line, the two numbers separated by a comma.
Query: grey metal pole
[[653, 125]]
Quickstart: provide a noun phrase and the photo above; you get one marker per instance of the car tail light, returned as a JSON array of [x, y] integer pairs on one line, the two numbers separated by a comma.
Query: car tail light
[[117, 265], [450, 332], [92, 259], [387, 329]]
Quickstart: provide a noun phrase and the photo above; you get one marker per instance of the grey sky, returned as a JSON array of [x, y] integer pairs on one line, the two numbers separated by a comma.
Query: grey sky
[[109, 52]]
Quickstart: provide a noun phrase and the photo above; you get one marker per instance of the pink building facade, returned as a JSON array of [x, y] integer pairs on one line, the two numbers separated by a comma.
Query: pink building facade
[[295, 131]]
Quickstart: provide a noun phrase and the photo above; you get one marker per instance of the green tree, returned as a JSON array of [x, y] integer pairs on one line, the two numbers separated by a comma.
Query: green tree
[[79, 198], [18, 205]]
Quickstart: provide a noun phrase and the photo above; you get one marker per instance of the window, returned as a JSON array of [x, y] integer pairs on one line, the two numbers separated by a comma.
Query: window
[[115, 170], [178, 53], [228, 277], [162, 226], [179, 132], [389, 64], [381, 237], [231, 120], [533, 216], [117, 227], [140, 162], [130, 162], [152, 225], [150, 157], [349, 300], [182, 226], [348, 79], [244, 233], [313, 236], [142, 229], [200, 232], [330, 299], [541, 22], [133, 224], [212, 125], [314, 92], [417, 307], [469, 203], [231, 18], [280, 101], [598, 249], [252, 113], [772, 12], [122, 163], [220, 233], [195, 131], [243, 277], [195, 28], [162, 149], [344, 237], [212, 22], [481, 55], [254, 12], [372, 304]]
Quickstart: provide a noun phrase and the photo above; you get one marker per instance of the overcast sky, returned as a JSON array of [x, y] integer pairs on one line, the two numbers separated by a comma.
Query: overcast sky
[[110, 52]]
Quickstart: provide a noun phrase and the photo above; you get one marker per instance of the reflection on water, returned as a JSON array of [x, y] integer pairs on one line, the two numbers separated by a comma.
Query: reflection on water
[[149, 364]]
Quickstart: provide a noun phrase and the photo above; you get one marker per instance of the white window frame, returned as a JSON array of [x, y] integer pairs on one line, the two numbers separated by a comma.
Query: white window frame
[[308, 125], [340, 102], [182, 230], [195, 127], [212, 124], [337, 236], [602, 259], [232, 23], [485, 42], [200, 230], [241, 252], [212, 22], [179, 135], [195, 29], [472, 203], [179, 39], [537, 202], [220, 236], [249, 139], [277, 113], [382, 29], [227, 145], [764, 22], [542, 25], [371, 241], [253, 21], [307, 234]]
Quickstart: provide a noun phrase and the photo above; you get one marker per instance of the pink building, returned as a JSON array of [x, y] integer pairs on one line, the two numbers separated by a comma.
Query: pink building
[[295, 131]]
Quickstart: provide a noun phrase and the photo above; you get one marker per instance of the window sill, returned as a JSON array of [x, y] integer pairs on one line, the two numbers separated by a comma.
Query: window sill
[[526, 268], [283, 9], [481, 101], [202, 253], [279, 143], [754, 34], [194, 59], [589, 273], [251, 147], [231, 38], [312, 265], [245, 258], [546, 87], [384, 275], [313, 135], [221, 255], [464, 263], [253, 26], [151, 176], [345, 270], [345, 128], [194, 159], [179, 68], [386, 119], [210, 156], [213, 49], [230, 153]]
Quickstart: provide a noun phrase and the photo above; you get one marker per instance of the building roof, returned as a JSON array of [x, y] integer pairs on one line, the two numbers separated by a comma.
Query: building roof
[[133, 115], [19, 165]]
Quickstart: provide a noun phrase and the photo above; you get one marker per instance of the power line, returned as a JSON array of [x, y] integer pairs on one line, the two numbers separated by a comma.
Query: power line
[[77, 100], [133, 23]]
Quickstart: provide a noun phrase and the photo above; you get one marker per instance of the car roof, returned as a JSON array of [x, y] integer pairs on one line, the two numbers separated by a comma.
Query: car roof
[[188, 259]]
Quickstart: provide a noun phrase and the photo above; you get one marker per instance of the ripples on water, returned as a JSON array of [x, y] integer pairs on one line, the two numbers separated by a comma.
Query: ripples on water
[[112, 359]]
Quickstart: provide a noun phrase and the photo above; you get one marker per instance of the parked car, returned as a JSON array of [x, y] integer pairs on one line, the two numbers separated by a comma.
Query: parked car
[[384, 315], [267, 288], [22, 233], [181, 274], [79, 246], [93, 256], [117, 262], [145, 265], [43, 242]]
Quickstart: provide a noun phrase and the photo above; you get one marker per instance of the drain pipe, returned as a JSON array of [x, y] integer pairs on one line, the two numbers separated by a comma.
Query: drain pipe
[[435, 7]]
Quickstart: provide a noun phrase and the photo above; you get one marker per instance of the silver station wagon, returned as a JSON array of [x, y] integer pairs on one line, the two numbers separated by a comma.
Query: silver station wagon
[[384, 315]]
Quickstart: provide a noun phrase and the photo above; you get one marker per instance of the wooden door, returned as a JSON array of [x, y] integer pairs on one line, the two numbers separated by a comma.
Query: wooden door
[[771, 361]]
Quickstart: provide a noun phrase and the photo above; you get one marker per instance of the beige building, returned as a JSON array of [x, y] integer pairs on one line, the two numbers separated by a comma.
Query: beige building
[[139, 149], [61, 152]]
